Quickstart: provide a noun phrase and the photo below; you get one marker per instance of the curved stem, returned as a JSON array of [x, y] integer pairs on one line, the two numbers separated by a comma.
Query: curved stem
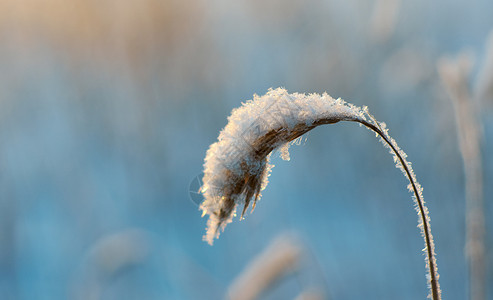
[[435, 288], [423, 213]]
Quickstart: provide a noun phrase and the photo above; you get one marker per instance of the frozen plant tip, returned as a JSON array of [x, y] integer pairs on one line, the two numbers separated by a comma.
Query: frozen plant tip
[[237, 166]]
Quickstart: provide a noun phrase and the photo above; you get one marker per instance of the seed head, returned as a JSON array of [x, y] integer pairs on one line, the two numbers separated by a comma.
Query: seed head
[[237, 166]]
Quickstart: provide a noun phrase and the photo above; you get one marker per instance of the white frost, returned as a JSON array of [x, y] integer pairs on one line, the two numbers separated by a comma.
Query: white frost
[[237, 166]]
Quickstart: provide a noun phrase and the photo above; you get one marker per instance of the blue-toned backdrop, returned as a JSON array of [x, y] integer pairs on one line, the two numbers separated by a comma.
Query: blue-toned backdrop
[[108, 107]]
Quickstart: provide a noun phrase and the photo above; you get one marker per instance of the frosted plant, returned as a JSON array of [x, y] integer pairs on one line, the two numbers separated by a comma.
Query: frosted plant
[[454, 74], [237, 166]]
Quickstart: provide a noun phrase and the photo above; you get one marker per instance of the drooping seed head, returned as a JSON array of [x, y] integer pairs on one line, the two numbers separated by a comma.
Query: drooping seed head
[[237, 166]]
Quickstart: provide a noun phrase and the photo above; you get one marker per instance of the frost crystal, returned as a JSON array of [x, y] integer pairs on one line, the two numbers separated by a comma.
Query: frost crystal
[[237, 166]]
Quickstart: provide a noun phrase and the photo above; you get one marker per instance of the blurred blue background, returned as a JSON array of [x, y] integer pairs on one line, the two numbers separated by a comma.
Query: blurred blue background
[[107, 109]]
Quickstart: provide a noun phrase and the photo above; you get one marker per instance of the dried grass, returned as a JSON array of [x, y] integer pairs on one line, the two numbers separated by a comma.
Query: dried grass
[[235, 173], [454, 74], [281, 257]]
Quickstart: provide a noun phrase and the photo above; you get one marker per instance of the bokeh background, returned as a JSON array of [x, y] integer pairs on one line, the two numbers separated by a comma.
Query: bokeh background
[[107, 109]]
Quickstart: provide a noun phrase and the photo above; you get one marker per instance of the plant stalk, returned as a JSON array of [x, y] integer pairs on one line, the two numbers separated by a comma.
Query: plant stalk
[[434, 285]]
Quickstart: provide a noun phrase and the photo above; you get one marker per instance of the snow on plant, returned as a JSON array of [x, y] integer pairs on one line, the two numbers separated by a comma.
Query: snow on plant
[[237, 166]]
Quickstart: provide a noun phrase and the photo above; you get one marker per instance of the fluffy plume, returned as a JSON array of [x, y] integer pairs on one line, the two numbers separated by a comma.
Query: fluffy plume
[[237, 165]]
